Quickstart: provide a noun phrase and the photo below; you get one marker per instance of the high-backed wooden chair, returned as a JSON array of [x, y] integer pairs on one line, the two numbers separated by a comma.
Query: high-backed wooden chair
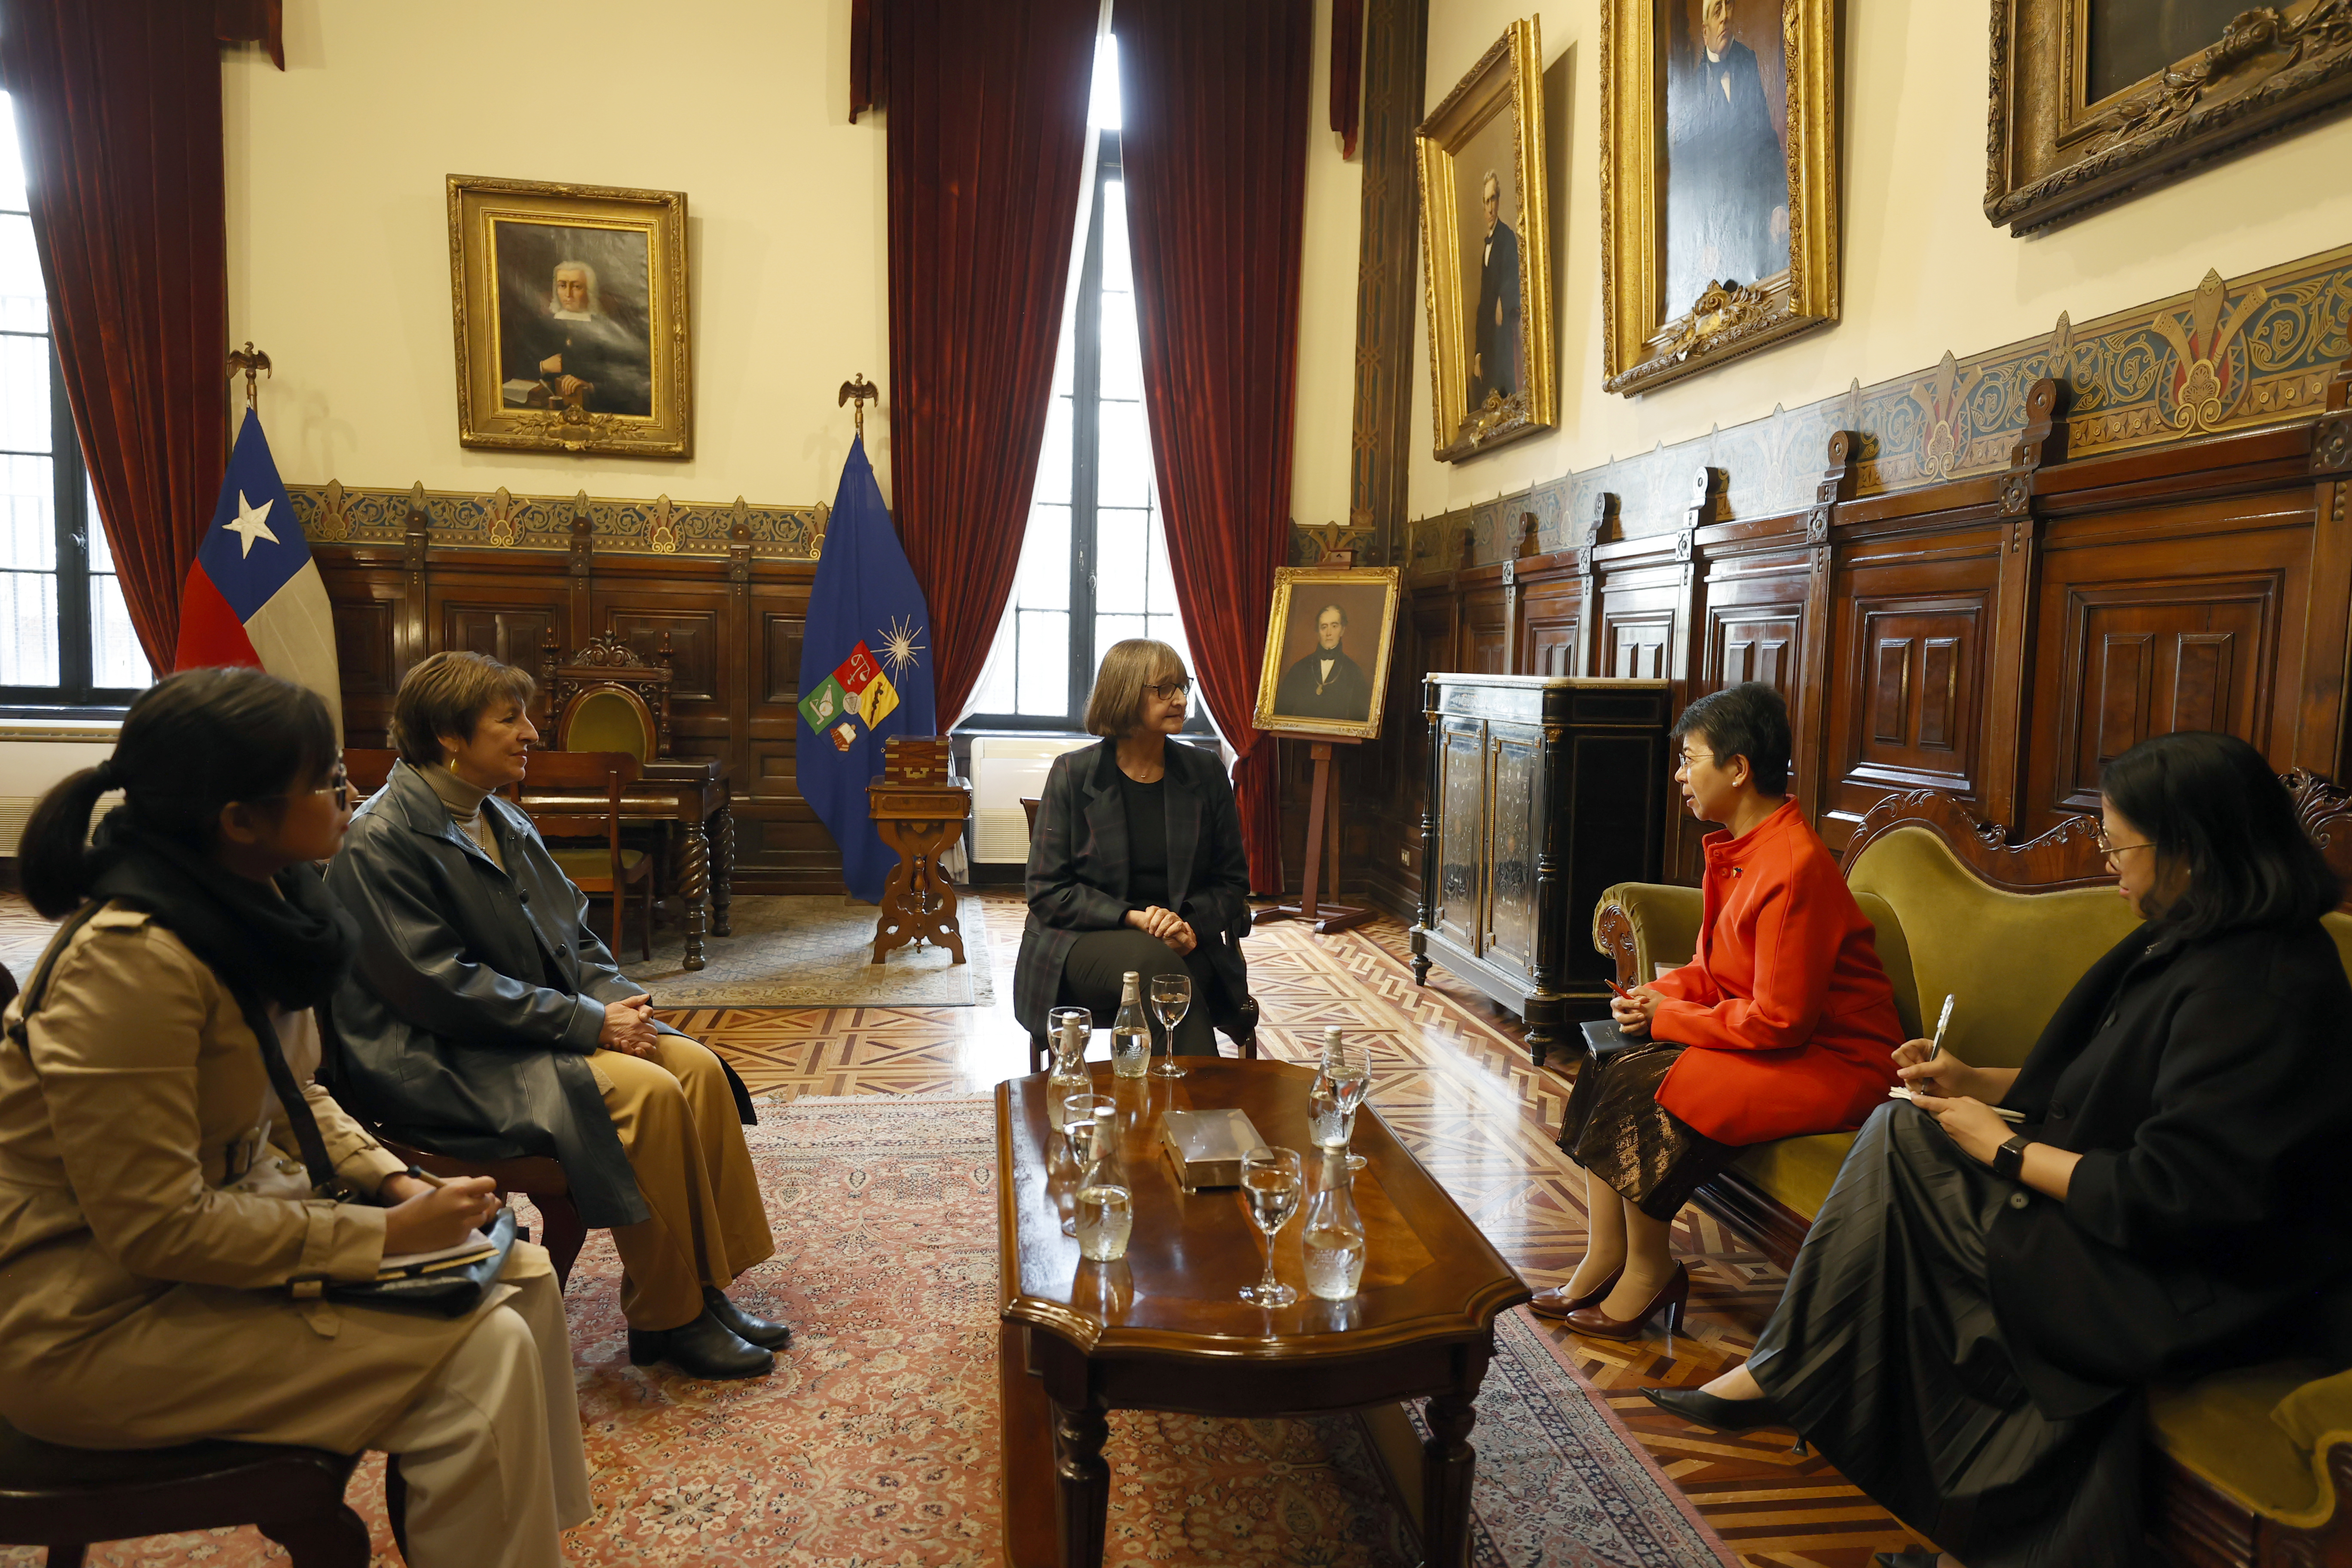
[[610, 869], [605, 697]]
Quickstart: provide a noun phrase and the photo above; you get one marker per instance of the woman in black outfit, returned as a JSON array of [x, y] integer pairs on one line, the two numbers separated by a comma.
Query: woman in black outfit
[[1136, 863], [1978, 1307]]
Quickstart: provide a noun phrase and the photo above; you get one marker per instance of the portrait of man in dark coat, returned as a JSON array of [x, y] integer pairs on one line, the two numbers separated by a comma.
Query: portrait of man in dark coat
[[1495, 334], [1726, 168], [1327, 683]]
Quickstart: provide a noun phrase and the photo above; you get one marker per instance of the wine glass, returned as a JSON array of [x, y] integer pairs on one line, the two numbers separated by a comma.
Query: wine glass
[[1171, 999], [1348, 1072], [1079, 1126], [1271, 1184]]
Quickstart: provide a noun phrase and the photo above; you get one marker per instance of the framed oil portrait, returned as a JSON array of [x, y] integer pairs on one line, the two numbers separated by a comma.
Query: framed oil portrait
[[571, 316], [1718, 181], [1484, 245], [2093, 99], [1327, 650]]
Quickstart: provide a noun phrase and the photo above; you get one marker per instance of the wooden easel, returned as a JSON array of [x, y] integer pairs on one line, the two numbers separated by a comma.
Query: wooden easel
[[1320, 820]]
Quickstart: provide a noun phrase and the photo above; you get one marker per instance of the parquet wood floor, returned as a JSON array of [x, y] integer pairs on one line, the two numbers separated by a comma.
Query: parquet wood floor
[[1452, 1076]]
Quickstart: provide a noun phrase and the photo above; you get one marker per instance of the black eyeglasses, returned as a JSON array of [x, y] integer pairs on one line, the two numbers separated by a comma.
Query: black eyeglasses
[[1171, 690]]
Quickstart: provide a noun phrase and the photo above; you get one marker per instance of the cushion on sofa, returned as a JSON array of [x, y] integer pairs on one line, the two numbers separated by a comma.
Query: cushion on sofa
[[1797, 1170], [2261, 1434], [2010, 958]]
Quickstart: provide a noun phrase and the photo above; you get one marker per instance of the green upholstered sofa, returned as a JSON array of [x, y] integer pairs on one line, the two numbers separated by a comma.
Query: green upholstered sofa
[[2257, 1459]]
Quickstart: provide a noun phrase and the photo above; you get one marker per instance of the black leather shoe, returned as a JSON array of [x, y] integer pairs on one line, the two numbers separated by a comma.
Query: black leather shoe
[[755, 1330], [1705, 1409], [1906, 1559], [704, 1348]]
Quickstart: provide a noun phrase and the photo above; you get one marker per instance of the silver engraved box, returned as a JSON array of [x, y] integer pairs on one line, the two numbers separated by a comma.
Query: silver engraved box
[[1206, 1147]]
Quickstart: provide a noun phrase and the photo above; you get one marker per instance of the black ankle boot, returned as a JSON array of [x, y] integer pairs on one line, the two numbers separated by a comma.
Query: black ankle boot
[[703, 1348], [755, 1330]]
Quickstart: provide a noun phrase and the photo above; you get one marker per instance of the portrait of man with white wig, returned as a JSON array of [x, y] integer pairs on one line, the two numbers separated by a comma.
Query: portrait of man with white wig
[[564, 327]]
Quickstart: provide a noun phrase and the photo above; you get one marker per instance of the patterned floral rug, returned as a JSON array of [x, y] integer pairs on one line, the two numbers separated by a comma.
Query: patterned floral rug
[[811, 952], [875, 1442]]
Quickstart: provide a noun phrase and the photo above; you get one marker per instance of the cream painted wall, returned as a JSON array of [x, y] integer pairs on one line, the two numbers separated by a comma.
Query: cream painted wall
[[1325, 427], [338, 227], [1924, 271]]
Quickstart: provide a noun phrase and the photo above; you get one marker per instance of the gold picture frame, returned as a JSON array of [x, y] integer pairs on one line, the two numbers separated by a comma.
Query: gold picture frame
[[1694, 269], [1300, 693], [2092, 101], [1490, 381], [570, 307]]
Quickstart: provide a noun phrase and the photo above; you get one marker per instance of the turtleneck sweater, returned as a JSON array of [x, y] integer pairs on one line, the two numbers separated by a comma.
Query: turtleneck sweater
[[464, 803]]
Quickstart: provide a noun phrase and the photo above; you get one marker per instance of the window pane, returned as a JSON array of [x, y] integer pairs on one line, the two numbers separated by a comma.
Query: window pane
[[101, 555], [1118, 268], [1102, 110], [23, 302], [1053, 458], [1159, 585], [115, 657], [1119, 556], [1110, 629], [1043, 583], [996, 681], [1122, 355], [24, 394], [1044, 678], [28, 529], [28, 628], [1065, 355], [12, 162], [1123, 474]]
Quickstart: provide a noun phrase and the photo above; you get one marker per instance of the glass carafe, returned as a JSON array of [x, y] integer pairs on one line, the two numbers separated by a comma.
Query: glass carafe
[[1334, 1238], [1130, 1036], [1069, 1074], [1106, 1198]]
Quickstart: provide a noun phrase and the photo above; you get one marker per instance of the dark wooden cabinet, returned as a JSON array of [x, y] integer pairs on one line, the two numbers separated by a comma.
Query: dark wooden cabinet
[[1542, 792]]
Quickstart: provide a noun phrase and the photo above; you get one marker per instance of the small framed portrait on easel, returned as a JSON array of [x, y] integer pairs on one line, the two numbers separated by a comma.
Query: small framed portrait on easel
[[1326, 651]]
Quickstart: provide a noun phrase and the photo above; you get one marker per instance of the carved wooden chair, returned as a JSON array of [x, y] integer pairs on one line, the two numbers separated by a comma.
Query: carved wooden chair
[[609, 870], [606, 698]]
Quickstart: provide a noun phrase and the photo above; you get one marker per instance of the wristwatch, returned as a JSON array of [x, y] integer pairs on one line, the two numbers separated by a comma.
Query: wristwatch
[[2009, 1160]]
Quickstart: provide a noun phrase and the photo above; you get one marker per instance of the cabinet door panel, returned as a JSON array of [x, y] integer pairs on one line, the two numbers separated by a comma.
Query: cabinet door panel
[[1515, 780], [1462, 837]]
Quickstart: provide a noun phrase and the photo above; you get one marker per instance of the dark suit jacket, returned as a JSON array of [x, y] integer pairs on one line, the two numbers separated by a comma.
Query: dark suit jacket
[[1077, 871], [1347, 696], [466, 1024], [1497, 343], [2209, 1089]]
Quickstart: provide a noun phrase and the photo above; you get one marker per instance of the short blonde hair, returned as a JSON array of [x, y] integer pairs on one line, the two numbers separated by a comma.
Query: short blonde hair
[[1116, 705], [446, 694]]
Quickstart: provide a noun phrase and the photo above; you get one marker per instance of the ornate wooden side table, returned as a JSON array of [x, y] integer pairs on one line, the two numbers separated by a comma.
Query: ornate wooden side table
[[922, 821]]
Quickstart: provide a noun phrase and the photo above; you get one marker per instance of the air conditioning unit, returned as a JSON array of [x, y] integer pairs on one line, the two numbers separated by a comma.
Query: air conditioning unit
[[1005, 769]]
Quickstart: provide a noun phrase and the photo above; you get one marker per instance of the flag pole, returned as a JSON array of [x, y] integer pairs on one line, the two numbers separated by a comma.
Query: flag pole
[[856, 387]]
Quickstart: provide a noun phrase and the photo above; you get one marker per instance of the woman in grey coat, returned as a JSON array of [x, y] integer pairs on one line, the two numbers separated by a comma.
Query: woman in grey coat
[[484, 1019]]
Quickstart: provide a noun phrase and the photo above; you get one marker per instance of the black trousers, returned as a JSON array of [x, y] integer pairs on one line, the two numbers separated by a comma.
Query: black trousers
[[1885, 1352], [1091, 976]]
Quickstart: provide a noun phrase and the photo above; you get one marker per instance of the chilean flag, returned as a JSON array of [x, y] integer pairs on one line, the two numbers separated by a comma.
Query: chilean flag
[[254, 596]]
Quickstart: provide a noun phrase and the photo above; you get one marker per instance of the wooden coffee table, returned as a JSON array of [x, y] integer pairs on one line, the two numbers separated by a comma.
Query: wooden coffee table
[[1163, 1329]]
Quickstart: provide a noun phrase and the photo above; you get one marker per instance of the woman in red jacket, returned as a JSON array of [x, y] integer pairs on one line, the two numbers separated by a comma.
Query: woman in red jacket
[[1782, 1024]]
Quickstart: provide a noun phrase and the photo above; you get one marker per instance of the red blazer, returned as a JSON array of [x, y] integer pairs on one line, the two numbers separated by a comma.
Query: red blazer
[[1790, 1018]]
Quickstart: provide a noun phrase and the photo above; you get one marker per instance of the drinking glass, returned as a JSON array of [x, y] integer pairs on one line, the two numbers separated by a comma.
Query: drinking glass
[[1271, 1185], [1171, 999], [1346, 1078], [1078, 1125]]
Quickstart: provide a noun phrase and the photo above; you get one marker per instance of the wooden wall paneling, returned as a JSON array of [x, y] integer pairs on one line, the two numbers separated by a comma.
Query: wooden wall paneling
[[580, 577], [2323, 726], [415, 546], [1808, 717], [2154, 620], [1591, 653], [1705, 502], [1485, 626], [1550, 619], [370, 596], [2043, 443]]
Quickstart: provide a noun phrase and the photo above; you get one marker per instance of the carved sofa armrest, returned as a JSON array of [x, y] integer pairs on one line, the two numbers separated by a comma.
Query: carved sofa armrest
[[1640, 925]]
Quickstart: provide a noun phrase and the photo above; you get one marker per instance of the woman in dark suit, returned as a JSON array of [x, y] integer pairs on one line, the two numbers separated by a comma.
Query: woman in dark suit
[[1136, 863], [1979, 1306]]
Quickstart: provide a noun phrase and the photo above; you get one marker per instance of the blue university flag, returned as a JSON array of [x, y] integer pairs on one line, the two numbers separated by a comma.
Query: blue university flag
[[866, 671]]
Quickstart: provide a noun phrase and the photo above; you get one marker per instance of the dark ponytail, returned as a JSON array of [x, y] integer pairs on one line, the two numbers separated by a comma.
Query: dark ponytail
[[190, 746]]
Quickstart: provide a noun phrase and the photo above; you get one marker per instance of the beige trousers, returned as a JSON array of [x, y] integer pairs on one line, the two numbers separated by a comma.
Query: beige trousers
[[490, 1450], [677, 1123]]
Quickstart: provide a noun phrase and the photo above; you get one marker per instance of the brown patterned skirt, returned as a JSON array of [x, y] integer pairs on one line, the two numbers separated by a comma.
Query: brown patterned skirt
[[1615, 1128]]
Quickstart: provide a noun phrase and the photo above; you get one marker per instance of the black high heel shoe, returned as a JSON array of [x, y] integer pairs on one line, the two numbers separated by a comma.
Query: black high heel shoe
[[1701, 1408]]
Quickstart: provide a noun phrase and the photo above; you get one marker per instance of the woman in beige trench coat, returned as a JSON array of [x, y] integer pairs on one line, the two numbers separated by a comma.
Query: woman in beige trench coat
[[160, 1215]]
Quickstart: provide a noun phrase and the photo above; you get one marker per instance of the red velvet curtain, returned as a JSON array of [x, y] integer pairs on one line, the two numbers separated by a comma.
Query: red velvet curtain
[[1217, 99], [119, 111], [988, 127]]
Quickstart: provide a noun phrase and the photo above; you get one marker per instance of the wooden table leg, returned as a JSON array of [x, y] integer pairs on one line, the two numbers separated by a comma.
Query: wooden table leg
[[722, 879], [1084, 1483], [1448, 1464], [694, 882]]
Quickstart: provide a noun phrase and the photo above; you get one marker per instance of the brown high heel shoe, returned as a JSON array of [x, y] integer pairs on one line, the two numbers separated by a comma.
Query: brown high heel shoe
[[1556, 1303], [1674, 1296]]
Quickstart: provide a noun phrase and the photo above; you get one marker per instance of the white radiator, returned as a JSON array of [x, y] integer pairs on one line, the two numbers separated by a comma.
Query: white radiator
[[1005, 768], [33, 757]]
